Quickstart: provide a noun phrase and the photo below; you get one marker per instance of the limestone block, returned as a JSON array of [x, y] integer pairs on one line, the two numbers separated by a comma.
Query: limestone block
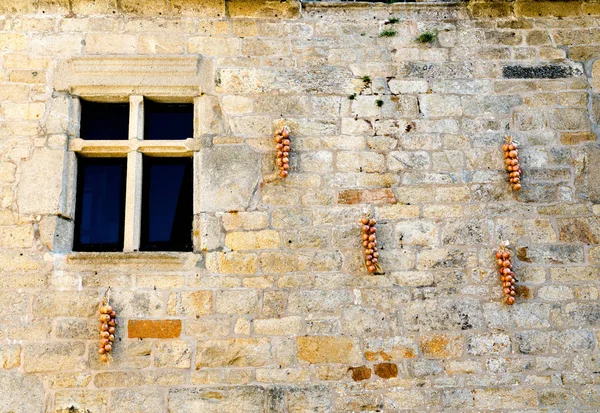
[[489, 344], [236, 105], [328, 349], [235, 352], [232, 262], [320, 301], [284, 326], [204, 9], [360, 322], [245, 220], [56, 45], [398, 86], [237, 302], [10, 42], [23, 111], [286, 9], [43, 170], [53, 356], [21, 393], [247, 399], [437, 105], [250, 126], [443, 315], [10, 356], [67, 304], [138, 303], [192, 303], [160, 44], [92, 401], [214, 46], [266, 47], [417, 232], [266, 239], [229, 176], [173, 354]]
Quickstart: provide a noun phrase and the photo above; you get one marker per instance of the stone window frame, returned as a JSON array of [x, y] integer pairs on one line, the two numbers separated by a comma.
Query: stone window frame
[[165, 79], [134, 148]]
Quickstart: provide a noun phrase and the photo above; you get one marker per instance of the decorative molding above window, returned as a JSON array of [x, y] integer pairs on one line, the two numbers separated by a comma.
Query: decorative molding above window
[[120, 76]]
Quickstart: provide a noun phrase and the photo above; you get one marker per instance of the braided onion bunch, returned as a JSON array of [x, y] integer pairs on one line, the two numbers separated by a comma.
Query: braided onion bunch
[[282, 137], [108, 326], [369, 243], [511, 160], [507, 276]]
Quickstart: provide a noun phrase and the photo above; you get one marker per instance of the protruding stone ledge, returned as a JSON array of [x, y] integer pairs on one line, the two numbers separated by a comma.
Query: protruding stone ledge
[[123, 261], [121, 76]]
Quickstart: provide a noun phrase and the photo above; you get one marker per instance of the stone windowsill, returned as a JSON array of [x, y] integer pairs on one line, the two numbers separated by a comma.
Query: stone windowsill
[[151, 260]]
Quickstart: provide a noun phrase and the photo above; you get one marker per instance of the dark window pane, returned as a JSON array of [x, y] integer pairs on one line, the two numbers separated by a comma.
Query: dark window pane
[[104, 120], [100, 216], [167, 204], [168, 120]]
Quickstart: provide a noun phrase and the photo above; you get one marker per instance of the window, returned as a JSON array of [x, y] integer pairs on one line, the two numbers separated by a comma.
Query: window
[[134, 176]]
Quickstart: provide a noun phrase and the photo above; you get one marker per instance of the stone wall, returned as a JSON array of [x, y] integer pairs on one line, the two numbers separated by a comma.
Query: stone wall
[[275, 312]]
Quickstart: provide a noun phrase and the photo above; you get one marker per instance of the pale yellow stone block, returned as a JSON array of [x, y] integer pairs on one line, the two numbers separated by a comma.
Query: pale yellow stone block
[[284, 326], [236, 105], [199, 9], [28, 111], [214, 27], [27, 76], [18, 237], [245, 220], [242, 327], [232, 262], [23, 61], [161, 44], [214, 46], [7, 172], [56, 45], [266, 239], [14, 92], [10, 356], [108, 43], [12, 42]]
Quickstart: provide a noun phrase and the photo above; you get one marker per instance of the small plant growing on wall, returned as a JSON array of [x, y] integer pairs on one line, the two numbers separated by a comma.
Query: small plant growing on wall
[[388, 33], [511, 160], [427, 37], [507, 276], [108, 326], [369, 243], [379, 103], [282, 137]]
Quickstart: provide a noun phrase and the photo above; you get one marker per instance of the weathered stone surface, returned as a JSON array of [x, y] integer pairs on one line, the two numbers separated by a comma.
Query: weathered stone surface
[[247, 399], [522, 398], [233, 178], [443, 315], [487, 344], [21, 393], [323, 349], [236, 352], [152, 400], [441, 346], [540, 72], [54, 356], [44, 169]]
